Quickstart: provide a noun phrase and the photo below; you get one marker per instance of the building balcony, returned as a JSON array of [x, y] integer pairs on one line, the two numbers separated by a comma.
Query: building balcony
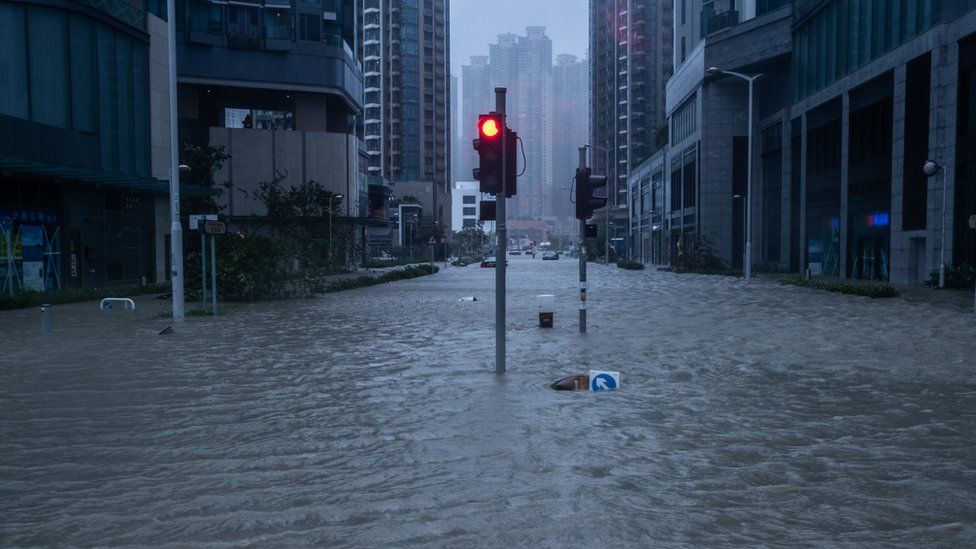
[[209, 32], [328, 68], [713, 21], [279, 38]]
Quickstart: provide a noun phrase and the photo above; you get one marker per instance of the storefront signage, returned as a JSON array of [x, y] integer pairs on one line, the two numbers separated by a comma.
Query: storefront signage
[[24, 215]]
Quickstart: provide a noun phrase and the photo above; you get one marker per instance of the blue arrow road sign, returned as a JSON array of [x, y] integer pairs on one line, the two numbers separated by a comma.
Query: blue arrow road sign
[[602, 382]]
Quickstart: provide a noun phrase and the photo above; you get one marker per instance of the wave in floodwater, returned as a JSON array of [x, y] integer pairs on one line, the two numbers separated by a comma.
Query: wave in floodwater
[[753, 414]]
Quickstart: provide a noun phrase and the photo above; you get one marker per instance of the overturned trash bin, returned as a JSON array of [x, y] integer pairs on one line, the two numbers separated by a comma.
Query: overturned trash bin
[[547, 303], [571, 383]]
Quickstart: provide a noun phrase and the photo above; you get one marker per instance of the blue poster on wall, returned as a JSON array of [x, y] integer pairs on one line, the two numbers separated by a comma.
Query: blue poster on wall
[[815, 256], [32, 241]]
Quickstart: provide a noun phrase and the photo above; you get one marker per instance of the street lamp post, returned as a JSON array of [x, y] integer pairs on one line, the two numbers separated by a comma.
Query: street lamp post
[[331, 198], [176, 227], [747, 268], [745, 221], [930, 168]]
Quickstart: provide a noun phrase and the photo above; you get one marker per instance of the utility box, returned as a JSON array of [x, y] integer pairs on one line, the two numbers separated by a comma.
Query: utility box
[[547, 304]]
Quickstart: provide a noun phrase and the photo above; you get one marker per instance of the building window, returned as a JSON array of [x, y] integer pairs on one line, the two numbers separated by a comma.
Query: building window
[[469, 199], [676, 189], [468, 223], [772, 190], [310, 28], [689, 182], [684, 121], [470, 211], [258, 119], [917, 101]]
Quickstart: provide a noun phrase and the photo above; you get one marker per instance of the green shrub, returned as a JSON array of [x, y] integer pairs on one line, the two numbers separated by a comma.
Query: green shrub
[[630, 265], [248, 269], [849, 288], [465, 261], [383, 263], [699, 256], [363, 281], [959, 277], [31, 298]]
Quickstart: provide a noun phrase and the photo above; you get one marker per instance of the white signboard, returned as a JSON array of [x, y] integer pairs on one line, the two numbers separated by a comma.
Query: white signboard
[[34, 275], [604, 381], [196, 219]]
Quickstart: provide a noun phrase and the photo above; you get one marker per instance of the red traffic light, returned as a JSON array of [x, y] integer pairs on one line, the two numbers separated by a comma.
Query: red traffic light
[[489, 127]]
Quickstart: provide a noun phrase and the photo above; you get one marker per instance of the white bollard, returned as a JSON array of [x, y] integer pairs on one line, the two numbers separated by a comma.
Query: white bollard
[[46, 318]]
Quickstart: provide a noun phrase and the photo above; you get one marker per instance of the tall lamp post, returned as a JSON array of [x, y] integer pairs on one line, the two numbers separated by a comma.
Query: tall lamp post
[[930, 168], [744, 223], [331, 198], [606, 236], [176, 227], [751, 79]]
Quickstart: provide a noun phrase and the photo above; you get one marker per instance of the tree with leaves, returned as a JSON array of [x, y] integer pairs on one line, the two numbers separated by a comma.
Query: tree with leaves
[[204, 162], [306, 216]]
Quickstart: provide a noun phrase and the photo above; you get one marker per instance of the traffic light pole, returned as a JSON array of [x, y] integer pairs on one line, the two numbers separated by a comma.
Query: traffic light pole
[[501, 247], [582, 257]]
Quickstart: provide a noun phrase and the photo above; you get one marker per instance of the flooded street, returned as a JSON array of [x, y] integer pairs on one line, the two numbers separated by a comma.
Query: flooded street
[[760, 414]]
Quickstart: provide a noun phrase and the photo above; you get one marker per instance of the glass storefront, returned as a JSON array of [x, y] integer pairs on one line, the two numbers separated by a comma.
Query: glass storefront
[[868, 251], [869, 181]]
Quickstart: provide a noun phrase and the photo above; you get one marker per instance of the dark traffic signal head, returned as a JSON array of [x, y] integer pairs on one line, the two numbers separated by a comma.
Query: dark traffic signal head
[[511, 139], [489, 147], [586, 184]]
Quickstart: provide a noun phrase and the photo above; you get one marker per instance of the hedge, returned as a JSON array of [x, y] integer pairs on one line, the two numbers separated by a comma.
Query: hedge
[[630, 265], [31, 298], [363, 281], [849, 288]]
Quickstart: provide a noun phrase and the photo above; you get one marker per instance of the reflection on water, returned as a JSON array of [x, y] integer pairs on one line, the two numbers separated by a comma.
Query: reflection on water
[[760, 414]]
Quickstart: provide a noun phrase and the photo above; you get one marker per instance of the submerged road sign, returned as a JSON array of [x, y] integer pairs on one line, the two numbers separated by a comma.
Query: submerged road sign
[[604, 381]]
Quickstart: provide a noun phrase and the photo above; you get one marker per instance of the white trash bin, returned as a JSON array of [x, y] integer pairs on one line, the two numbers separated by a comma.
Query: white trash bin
[[547, 304]]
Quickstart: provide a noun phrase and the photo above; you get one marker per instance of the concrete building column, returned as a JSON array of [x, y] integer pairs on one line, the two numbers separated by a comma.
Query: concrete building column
[[845, 147], [900, 248], [803, 192], [786, 189], [159, 136], [942, 149]]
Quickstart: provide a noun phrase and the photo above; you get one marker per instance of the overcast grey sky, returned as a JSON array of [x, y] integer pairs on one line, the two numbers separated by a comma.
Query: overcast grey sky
[[477, 23]]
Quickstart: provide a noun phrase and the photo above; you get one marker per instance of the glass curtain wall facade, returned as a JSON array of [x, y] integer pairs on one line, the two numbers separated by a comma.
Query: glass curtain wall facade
[[845, 35], [404, 147], [823, 189], [408, 94], [869, 181], [772, 192], [631, 57], [76, 194], [69, 71], [964, 250]]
